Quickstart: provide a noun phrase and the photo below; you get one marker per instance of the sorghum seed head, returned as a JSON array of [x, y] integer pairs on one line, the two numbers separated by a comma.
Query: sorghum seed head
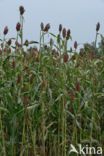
[[18, 79], [22, 10], [97, 26], [45, 47], [72, 96], [42, 26], [55, 53], [9, 42], [60, 28], [64, 32], [47, 27], [5, 50], [75, 44], [25, 100], [26, 43], [13, 64], [68, 34], [9, 50], [65, 58], [81, 53], [17, 44], [5, 30], [18, 26], [77, 86]]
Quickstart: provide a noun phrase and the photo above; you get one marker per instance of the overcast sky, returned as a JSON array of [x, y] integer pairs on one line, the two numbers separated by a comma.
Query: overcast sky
[[80, 16]]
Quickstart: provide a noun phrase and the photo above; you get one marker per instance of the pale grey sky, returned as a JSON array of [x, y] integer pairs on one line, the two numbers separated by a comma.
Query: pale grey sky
[[80, 16]]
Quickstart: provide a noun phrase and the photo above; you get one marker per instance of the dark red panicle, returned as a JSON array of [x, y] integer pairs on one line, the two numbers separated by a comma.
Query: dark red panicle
[[68, 34], [97, 26], [75, 44], [22, 10], [64, 32], [42, 26], [66, 58], [5, 30], [47, 27], [77, 86], [60, 28], [18, 26]]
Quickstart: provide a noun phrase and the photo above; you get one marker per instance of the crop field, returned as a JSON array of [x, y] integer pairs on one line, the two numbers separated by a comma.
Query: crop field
[[51, 95]]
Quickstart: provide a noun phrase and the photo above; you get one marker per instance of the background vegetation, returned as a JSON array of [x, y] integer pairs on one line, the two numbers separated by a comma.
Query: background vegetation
[[50, 96]]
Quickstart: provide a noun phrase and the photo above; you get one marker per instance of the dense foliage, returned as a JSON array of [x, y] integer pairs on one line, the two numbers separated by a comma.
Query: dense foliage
[[50, 97]]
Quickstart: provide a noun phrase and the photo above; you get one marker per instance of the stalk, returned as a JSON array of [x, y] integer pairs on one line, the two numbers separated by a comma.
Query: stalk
[[21, 31], [2, 137], [96, 41]]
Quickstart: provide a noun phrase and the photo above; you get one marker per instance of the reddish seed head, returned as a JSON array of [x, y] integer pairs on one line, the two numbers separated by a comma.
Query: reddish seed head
[[72, 96], [64, 33], [47, 27], [5, 50], [42, 26], [9, 50], [75, 44], [17, 44], [81, 53], [65, 58], [5, 30], [60, 28], [26, 100], [97, 26], [13, 64], [18, 26], [26, 43], [77, 86], [22, 10], [68, 34], [9, 42], [18, 79]]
